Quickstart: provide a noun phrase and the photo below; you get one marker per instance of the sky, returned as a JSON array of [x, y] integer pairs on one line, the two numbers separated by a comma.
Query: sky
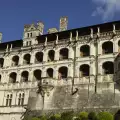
[[14, 14]]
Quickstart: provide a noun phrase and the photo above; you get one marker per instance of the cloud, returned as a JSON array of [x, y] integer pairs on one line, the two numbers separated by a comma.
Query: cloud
[[106, 8]]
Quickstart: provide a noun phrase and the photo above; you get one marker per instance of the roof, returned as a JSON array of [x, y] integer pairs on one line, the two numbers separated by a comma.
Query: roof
[[82, 31], [16, 43], [65, 34]]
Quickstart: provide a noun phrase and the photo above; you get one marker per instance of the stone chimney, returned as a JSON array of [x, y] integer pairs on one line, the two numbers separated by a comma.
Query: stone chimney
[[52, 30], [63, 23], [0, 37], [40, 27]]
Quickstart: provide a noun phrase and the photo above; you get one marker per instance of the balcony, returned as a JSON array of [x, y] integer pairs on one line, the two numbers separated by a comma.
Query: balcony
[[85, 80], [105, 78]]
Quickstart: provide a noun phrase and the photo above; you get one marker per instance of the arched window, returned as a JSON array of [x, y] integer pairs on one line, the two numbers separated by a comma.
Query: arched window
[[62, 72], [0, 78], [39, 57], [26, 59], [84, 51], [12, 77], [24, 76], [107, 47], [64, 53], [21, 99], [50, 72], [15, 60], [108, 67], [84, 70], [51, 55], [1, 62], [37, 75]]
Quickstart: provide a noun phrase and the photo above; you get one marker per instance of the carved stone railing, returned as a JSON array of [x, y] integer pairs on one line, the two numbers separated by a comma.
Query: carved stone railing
[[85, 80], [105, 78]]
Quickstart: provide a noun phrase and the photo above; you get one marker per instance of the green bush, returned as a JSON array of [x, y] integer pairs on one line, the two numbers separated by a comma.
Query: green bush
[[92, 116], [105, 116], [34, 118], [83, 116], [55, 117], [67, 116]]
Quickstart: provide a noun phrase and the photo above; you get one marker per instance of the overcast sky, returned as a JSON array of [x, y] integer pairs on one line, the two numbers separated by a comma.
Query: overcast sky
[[15, 13]]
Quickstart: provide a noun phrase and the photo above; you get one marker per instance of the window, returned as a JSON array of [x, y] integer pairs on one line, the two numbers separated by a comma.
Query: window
[[108, 67], [62, 72], [84, 51], [21, 99], [9, 100], [64, 53], [107, 47], [15, 60]]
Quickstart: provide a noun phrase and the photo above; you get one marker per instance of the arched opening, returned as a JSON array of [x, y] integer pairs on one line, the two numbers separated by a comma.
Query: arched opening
[[62, 72], [26, 59], [119, 46], [12, 77], [64, 53], [84, 51], [108, 68], [39, 57], [1, 62], [51, 55], [50, 72], [15, 60], [37, 75], [84, 70], [107, 47], [24, 76], [0, 78]]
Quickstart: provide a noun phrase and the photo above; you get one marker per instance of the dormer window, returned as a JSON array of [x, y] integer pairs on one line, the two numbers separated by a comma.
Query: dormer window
[[28, 35]]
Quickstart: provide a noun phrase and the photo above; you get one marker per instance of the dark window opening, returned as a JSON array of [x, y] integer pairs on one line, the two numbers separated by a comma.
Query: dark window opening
[[107, 47], [21, 99], [51, 55], [37, 75], [1, 62], [85, 51], [15, 61], [39, 57], [63, 54], [50, 72], [84, 70], [24, 76], [62, 72], [9, 100], [108, 68], [26, 59], [12, 77]]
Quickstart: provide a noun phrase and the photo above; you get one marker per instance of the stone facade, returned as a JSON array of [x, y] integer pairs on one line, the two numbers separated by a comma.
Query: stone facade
[[71, 69]]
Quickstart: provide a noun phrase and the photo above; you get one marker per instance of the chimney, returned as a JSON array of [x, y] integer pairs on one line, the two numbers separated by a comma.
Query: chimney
[[63, 23], [52, 30], [40, 27], [0, 37]]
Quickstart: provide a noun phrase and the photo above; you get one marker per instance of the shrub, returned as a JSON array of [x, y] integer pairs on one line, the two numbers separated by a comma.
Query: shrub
[[92, 116], [83, 116], [105, 116], [34, 118], [67, 116], [55, 117]]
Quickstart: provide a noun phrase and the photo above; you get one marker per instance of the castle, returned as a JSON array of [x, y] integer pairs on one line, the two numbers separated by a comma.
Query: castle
[[61, 70]]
